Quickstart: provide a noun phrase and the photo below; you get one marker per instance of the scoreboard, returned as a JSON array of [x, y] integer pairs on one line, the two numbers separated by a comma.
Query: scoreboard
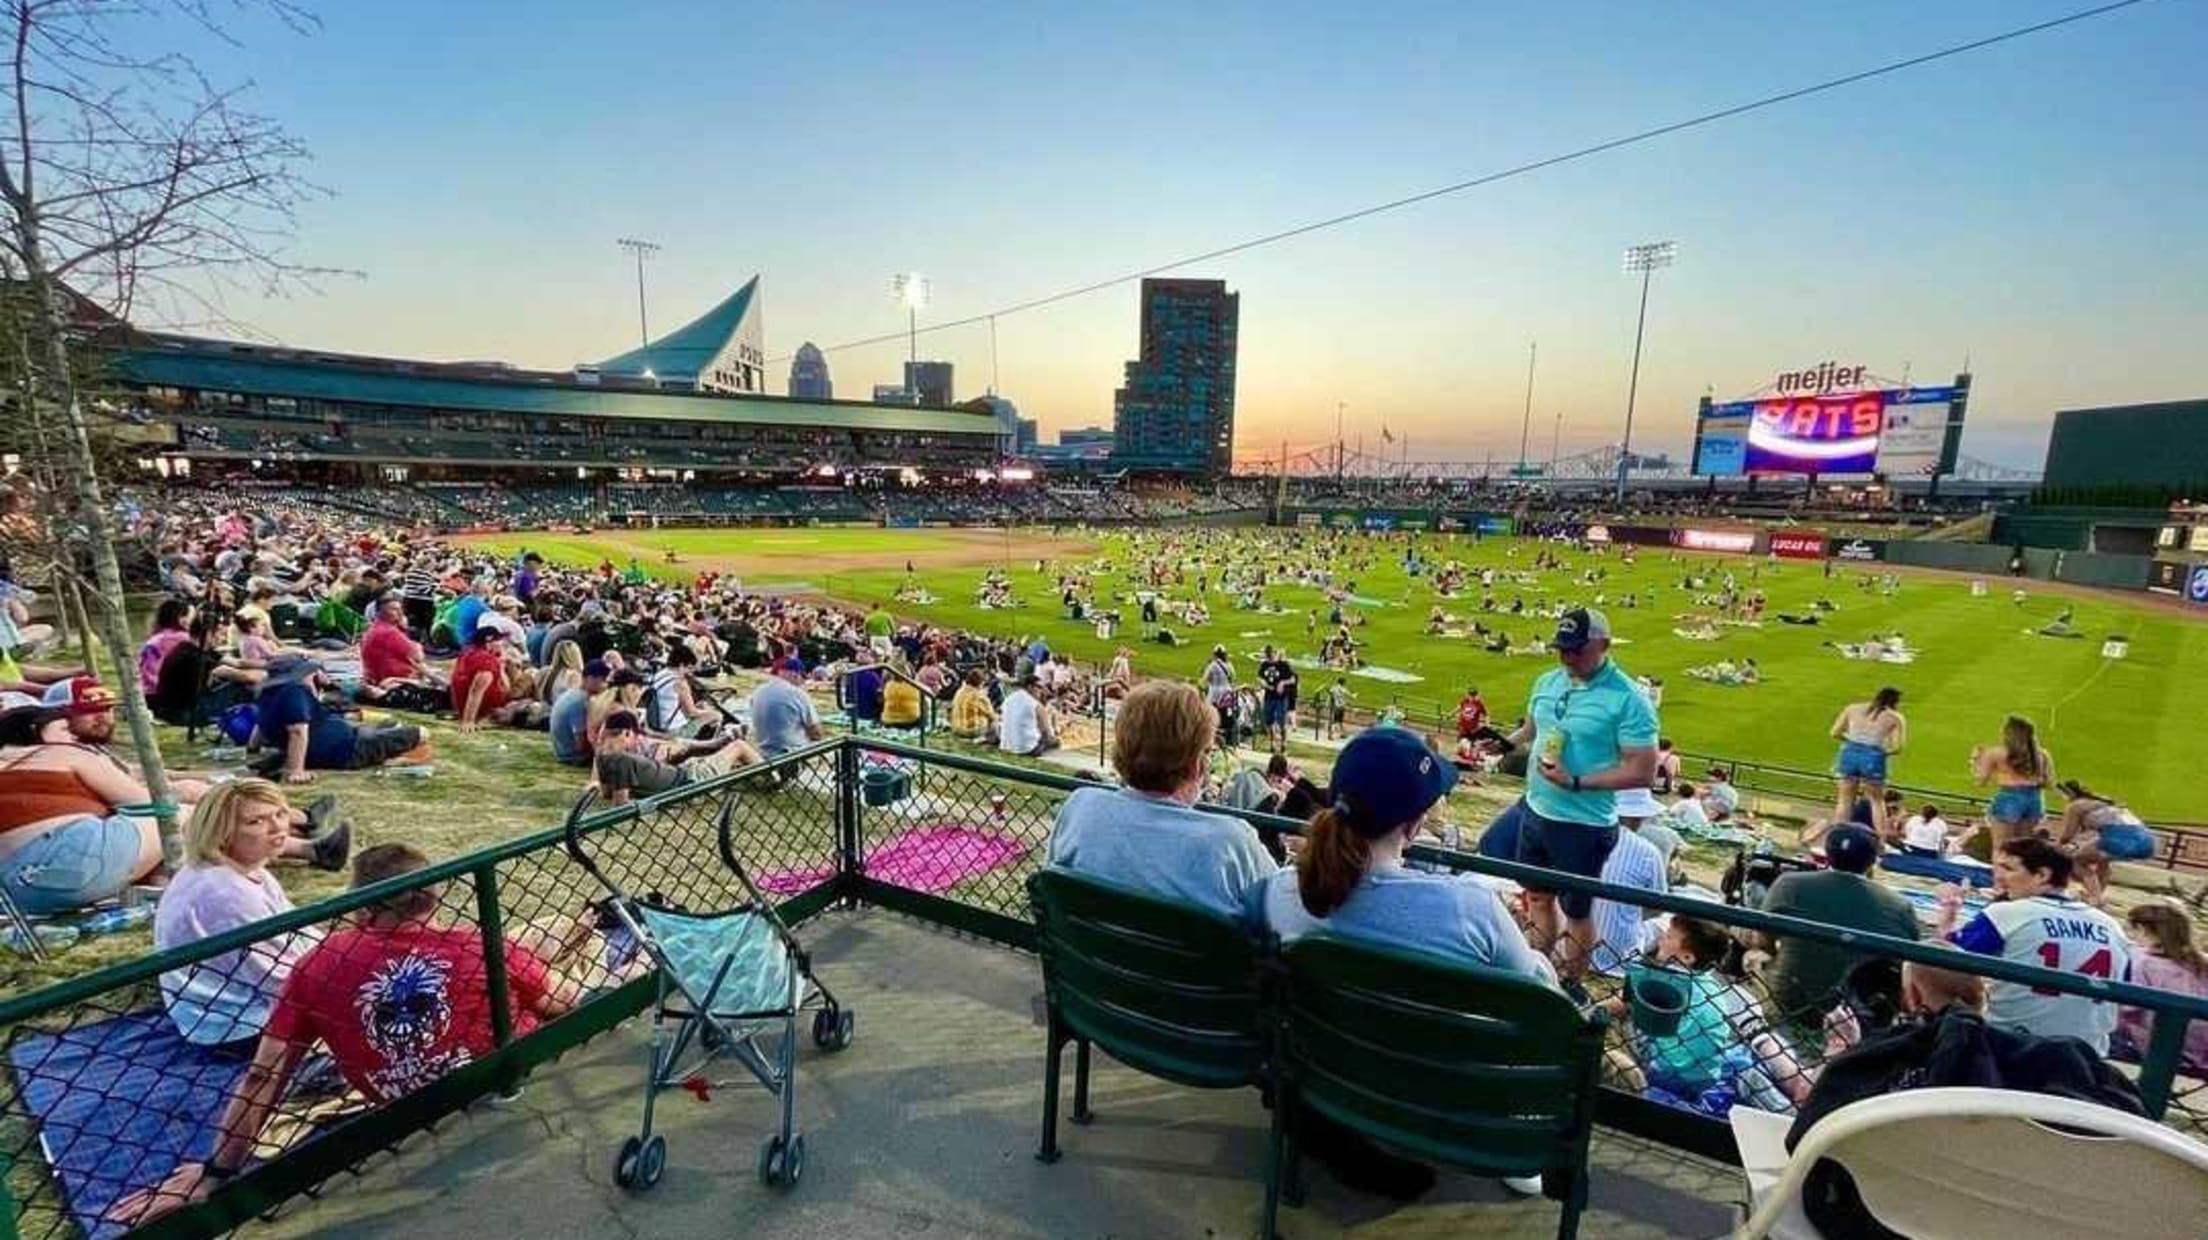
[[1907, 432]]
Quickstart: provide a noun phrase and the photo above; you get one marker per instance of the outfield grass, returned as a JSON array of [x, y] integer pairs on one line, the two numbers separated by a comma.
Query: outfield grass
[[2123, 726]]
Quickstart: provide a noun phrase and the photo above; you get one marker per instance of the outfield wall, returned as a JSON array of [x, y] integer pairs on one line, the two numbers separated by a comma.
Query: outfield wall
[[2101, 570]]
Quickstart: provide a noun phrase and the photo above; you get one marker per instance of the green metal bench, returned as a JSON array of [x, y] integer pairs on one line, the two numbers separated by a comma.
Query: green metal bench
[[1471, 1067], [1168, 990]]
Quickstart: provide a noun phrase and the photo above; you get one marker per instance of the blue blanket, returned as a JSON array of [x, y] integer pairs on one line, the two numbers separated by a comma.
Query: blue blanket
[[1939, 869], [118, 1104]]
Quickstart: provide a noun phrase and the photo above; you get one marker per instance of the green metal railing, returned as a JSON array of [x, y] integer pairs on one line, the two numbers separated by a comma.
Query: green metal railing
[[802, 815]]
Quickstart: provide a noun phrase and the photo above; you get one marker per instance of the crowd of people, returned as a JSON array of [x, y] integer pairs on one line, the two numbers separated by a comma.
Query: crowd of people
[[321, 643]]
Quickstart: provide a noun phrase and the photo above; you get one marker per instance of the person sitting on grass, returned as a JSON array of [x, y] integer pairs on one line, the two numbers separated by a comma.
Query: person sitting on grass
[[1027, 726], [1805, 974], [627, 762], [399, 1001], [783, 718], [306, 735], [1147, 835], [570, 720], [1719, 1050], [479, 686], [234, 832], [973, 715]]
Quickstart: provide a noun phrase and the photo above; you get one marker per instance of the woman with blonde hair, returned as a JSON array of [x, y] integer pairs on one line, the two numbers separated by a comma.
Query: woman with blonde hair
[[2020, 772], [563, 670], [1147, 835], [235, 831]]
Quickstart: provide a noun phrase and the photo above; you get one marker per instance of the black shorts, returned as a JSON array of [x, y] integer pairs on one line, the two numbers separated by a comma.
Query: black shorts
[[1573, 847]]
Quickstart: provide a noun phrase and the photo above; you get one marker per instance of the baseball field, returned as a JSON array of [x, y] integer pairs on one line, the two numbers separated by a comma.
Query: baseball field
[[2126, 726]]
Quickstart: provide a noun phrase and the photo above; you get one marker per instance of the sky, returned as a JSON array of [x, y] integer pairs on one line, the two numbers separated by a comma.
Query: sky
[[2033, 209]]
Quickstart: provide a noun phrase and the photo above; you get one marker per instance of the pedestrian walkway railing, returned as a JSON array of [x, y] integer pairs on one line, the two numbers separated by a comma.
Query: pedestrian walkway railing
[[100, 1097]]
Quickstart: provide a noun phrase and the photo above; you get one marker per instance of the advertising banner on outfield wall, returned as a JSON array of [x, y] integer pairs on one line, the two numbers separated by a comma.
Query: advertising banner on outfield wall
[[2196, 585], [1796, 546], [1738, 542], [1309, 518], [1862, 550], [1638, 535], [1492, 523], [2166, 577]]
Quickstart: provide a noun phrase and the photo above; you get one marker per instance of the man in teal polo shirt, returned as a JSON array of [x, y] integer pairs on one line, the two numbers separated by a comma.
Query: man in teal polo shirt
[[1593, 735]]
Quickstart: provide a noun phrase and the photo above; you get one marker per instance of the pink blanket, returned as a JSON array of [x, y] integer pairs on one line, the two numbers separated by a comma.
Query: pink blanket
[[932, 859]]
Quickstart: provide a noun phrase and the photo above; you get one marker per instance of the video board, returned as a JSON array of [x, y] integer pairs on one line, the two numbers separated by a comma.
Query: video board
[[1891, 432]]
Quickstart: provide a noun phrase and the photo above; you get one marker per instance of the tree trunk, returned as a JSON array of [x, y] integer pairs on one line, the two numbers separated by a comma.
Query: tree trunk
[[106, 617]]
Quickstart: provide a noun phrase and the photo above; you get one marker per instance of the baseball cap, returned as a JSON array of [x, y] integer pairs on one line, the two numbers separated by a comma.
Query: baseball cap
[[596, 669], [1638, 803], [79, 695], [793, 664], [1577, 627], [1386, 777], [1850, 848]]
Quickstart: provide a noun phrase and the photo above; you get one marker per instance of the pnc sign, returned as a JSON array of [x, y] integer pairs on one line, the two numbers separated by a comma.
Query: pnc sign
[[1823, 377]]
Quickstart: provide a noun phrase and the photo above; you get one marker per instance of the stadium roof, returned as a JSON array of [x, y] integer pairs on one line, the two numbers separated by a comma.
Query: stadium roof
[[222, 366], [678, 357]]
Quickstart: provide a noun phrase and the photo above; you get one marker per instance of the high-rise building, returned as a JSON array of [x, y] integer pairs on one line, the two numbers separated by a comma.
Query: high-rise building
[[931, 381], [1023, 439], [1176, 410], [809, 374]]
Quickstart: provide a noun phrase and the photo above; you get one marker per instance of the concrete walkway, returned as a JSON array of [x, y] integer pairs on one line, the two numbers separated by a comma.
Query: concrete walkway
[[927, 1125]]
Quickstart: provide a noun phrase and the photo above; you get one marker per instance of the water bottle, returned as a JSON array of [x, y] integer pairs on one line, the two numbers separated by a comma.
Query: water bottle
[[48, 936], [114, 920]]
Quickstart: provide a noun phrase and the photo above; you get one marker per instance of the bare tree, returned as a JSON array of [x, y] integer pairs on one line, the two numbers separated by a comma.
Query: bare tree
[[123, 176]]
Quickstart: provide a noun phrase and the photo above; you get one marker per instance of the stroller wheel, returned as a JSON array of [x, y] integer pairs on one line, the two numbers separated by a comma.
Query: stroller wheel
[[824, 1027], [625, 1163], [775, 1170], [846, 1020], [652, 1162]]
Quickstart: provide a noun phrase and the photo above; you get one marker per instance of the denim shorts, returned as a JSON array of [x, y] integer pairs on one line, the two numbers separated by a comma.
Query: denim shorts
[[1573, 847], [1276, 712], [1861, 761], [80, 862], [2018, 805], [2126, 841]]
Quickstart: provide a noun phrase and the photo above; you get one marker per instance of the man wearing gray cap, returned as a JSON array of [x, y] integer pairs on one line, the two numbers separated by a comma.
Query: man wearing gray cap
[[1594, 735]]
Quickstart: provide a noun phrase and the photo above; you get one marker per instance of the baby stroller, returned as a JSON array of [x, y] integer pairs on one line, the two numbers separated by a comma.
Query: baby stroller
[[727, 978]]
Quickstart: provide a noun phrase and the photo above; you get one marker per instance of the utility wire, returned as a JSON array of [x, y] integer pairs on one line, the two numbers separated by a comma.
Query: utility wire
[[1491, 178]]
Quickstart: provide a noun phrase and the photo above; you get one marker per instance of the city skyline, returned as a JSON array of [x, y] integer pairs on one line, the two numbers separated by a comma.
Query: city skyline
[[2018, 209]]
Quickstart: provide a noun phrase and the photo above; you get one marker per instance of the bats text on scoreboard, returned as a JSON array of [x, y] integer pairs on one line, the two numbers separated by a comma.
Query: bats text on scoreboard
[[1825, 417]]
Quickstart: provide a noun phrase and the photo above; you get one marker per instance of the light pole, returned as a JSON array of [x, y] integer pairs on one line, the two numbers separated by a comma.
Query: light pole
[[910, 290], [1525, 429], [642, 250], [1556, 442], [1645, 258]]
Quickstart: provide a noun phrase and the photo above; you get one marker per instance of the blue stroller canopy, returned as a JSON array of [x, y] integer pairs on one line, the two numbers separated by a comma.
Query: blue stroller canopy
[[694, 947]]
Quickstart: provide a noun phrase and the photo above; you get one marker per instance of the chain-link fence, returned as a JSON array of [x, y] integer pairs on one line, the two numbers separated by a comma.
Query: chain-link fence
[[417, 994], [453, 981], [1712, 1003]]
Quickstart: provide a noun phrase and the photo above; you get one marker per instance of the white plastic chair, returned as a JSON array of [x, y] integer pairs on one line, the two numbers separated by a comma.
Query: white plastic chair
[[1964, 1164]]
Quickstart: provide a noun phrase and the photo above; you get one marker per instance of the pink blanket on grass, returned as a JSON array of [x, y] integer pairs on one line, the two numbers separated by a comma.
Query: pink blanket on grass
[[932, 859]]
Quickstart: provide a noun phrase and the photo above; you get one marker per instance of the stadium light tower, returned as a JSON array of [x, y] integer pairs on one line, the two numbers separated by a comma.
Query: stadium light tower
[[910, 290], [642, 250], [1645, 258]]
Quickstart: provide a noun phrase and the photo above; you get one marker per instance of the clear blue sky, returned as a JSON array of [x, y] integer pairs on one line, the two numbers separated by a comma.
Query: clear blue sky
[[2036, 207]]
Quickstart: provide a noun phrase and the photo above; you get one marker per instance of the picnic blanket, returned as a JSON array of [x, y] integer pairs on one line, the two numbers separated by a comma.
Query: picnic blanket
[[1966, 871], [119, 1103], [931, 858]]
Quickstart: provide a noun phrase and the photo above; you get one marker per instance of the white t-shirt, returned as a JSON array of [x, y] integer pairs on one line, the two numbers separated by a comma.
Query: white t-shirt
[[1690, 811], [1021, 724], [2059, 933], [1923, 832], [666, 692], [226, 997]]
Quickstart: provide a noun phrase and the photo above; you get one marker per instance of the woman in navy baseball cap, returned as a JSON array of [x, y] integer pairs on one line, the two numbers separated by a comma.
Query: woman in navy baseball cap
[[1350, 879]]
